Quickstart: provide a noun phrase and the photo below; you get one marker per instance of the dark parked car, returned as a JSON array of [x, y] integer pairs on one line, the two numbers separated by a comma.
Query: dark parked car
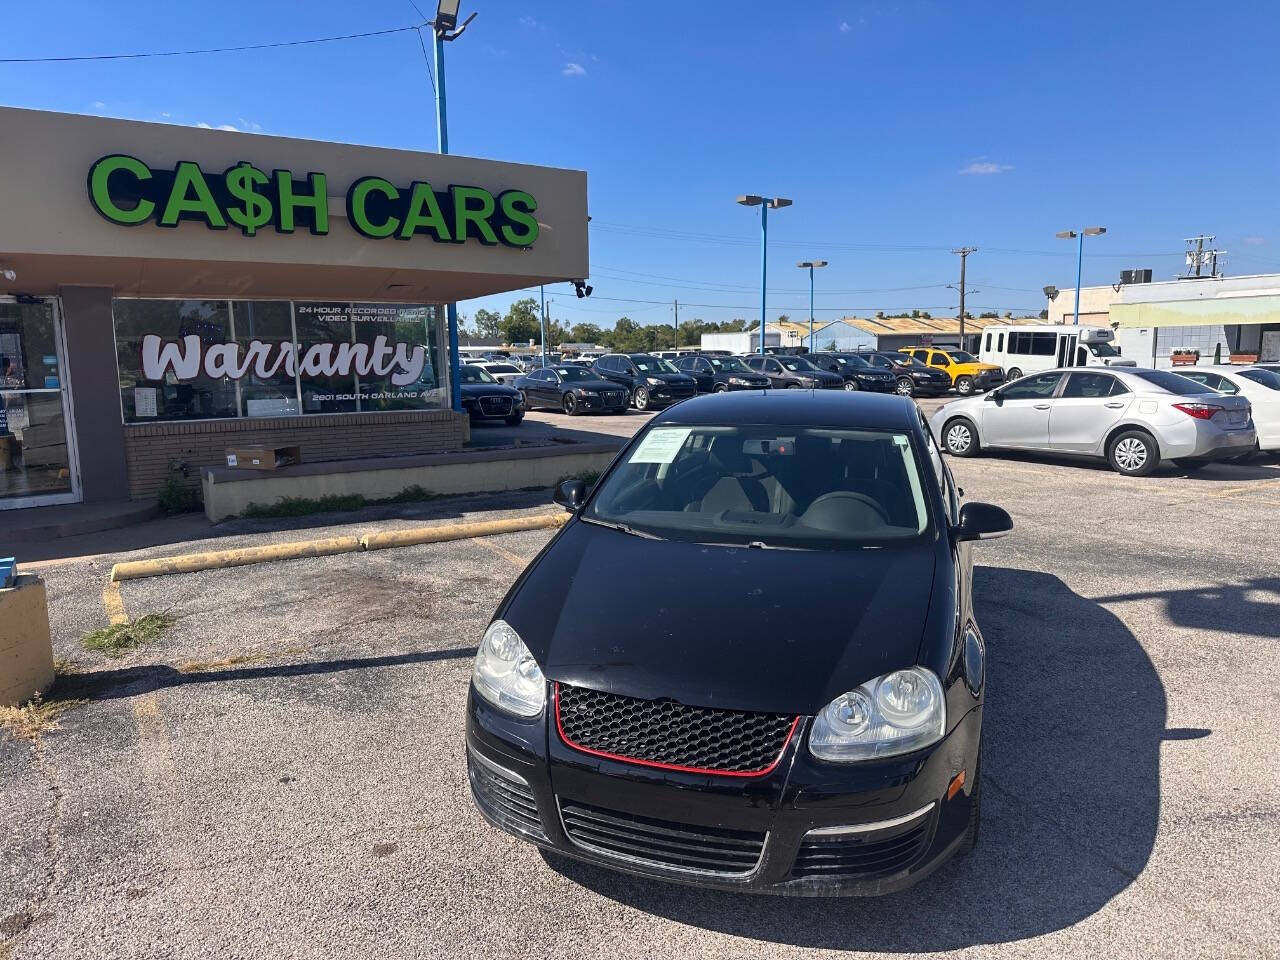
[[719, 374], [484, 398], [793, 371], [794, 738], [650, 381], [572, 389], [857, 373], [911, 377]]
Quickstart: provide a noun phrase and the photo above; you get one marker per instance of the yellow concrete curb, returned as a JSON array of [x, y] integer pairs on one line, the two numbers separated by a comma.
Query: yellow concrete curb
[[218, 559]]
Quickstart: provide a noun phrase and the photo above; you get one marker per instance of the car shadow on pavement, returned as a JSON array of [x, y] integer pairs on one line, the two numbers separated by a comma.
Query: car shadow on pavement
[[1251, 607], [1075, 716], [134, 681], [1259, 468]]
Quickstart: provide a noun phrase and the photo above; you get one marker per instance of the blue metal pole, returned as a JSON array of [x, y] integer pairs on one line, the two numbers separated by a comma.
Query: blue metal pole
[[542, 322], [764, 264], [442, 132], [811, 308], [1079, 264]]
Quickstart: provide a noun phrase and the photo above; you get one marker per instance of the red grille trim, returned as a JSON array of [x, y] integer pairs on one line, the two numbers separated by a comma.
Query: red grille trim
[[555, 693]]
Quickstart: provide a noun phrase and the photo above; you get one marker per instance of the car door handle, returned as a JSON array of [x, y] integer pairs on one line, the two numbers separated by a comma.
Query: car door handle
[[1114, 406], [1042, 406]]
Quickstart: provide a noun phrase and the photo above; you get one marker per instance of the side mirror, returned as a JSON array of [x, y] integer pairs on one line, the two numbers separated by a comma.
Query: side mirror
[[982, 521], [572, 494]]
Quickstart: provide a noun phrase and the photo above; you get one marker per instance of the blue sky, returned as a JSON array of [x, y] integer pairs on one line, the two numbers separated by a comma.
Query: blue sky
[[900, 130]]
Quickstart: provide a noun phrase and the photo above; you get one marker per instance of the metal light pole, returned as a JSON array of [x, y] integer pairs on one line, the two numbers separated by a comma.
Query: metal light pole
[[1079, 238], [811, 264], [445, 28], [764, 203], [542, 325]]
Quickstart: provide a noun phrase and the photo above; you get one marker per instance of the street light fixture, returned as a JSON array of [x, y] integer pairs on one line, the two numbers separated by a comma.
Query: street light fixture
[[810, 265], [765, 204], [1079, 238]]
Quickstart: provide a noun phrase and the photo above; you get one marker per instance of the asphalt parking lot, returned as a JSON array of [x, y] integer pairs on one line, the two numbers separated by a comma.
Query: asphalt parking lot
[[282, 773]]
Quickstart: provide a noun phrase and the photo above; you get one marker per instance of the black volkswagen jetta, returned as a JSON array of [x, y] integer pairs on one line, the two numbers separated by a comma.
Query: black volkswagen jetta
[[783, 692]]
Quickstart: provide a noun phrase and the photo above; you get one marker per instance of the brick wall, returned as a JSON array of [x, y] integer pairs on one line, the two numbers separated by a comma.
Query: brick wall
[[152, 448]]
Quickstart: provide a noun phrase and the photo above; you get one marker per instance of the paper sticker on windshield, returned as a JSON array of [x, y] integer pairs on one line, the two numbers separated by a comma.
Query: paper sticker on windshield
[[661, 445], [901, 441]]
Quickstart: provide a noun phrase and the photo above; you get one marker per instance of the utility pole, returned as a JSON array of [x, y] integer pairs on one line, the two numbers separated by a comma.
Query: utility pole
[[1198, 257], [675, 325], [964, 255], [542, 292]]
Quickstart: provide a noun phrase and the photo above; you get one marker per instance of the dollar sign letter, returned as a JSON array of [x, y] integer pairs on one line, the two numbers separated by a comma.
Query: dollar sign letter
[[254, 211]]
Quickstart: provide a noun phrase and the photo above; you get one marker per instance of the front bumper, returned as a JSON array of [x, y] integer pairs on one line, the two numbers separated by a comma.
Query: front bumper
[[876, 384], [600, 403], [932, 387], [885, 824], [988, 381]]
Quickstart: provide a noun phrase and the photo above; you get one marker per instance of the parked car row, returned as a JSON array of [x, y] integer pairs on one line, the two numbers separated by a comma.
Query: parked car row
[[1129, 416]]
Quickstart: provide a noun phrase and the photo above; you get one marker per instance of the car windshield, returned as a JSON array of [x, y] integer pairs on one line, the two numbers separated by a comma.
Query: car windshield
[[502, 368], [1172, 382], [1103, 350], [728, 365], [470, 374], [959, 356], [856, 362], [648, 364], [796, 363], [766, 485], [1265, 377], [574, 373]]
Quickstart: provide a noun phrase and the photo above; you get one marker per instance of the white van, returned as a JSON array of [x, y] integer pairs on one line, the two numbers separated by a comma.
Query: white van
[[1030, 348]]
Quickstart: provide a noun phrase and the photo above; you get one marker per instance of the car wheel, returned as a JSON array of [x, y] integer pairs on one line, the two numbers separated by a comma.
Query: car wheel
[[524, 400], [720, 388], [515, 419], [569, 404], [975, 812], [793, 386], [960, 438], [1133, 453], [964, 386], [851, 385], [904, 387], [1014, 374], [640, 398]]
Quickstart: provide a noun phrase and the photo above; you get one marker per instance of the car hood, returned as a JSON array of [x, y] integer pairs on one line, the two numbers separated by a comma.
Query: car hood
[[779, 631], [985, 368], [487, 390], [596, 383], [670, 377]]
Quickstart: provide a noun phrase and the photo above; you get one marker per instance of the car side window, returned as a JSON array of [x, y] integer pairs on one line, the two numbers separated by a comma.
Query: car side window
[[1032, 388], [939, 360], [704, 366], [773, 366], [1088, 386], [1082, 357]]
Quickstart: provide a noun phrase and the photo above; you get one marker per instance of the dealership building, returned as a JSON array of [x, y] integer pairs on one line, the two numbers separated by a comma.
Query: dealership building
[[167, 293]]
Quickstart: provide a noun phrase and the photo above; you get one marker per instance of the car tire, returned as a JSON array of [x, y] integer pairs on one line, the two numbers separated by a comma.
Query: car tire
[[975, 813], [524, 400], [720, 388], [904, 387], [1014, 374], [640, 398], [515, 419], [960, 438], [569, 404], [851, 385], [793, 386], [1133, 453], [964, 386]]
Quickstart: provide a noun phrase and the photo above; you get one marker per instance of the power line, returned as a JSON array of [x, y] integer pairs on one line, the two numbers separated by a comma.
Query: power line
[[189, 53]]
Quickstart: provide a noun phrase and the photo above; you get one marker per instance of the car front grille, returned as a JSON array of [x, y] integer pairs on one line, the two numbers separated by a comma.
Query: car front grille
[[682, 390], [495, 406], [861, 855], [661, 843], [670, 735], [614, 396], [505, 798]]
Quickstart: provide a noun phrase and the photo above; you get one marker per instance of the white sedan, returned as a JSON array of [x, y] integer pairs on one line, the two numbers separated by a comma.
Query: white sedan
[[1258, 385], [503, 372]]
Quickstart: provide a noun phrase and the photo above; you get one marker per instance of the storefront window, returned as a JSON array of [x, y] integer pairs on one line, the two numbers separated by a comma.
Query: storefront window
[[206, 359]]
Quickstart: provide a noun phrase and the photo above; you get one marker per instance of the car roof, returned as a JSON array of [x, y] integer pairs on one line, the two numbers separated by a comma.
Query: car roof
[[835, 409]]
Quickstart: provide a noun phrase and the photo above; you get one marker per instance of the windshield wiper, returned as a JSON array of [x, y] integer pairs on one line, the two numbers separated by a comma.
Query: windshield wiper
[[643, 534]]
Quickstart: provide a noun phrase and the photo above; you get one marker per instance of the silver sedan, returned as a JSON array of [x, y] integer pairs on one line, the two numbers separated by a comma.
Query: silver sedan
[[1132, 418]]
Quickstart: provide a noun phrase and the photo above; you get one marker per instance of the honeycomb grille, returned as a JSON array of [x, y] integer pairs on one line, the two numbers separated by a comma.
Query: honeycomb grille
[[667, 734]]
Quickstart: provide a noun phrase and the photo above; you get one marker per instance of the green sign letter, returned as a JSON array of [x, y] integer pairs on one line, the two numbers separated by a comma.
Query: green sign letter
[[100, 189], [243, 181], [424, 214], [190, 194], [358, 215], [466, 212], [520, 228], [317, 201]]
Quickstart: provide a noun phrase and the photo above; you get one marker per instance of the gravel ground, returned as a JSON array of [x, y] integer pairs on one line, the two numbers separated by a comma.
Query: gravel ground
[[282, 774]]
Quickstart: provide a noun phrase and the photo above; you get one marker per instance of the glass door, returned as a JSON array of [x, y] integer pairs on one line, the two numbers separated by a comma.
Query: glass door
[[37, 452]]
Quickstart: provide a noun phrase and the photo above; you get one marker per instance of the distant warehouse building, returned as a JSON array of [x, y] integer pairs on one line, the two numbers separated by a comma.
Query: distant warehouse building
[[1225, 319], [892, 333]]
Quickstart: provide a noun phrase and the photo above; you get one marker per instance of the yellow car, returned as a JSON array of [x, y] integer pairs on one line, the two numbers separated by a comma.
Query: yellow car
[[968, 374]]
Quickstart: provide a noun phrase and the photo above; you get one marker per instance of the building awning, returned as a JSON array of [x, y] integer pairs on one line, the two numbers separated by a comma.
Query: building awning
[[1225, 311]]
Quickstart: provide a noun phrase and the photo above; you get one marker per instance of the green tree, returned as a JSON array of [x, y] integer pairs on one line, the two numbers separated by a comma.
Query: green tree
[[989, 315], [487, 324], [521, 324], [784, 317], [585, 333], [832, 346]]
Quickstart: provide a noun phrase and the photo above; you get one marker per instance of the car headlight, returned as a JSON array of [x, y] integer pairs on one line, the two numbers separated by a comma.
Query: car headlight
[[737, 382], [653, 381], [583, 392], [896, 713], [506, 674]]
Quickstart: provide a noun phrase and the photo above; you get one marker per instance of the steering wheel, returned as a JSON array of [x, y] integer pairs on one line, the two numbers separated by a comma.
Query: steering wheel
[[850, 496]]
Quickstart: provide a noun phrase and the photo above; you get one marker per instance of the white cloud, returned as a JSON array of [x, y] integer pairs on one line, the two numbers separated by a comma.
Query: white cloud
[[249, 126], [844, 26], [529, 21], [229, 127], [204, 126], [982, 168], [574, 70], [1255, 241], [98, 105]]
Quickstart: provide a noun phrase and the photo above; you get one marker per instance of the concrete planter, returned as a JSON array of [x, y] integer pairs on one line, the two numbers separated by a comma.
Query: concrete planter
[[26, 651]]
